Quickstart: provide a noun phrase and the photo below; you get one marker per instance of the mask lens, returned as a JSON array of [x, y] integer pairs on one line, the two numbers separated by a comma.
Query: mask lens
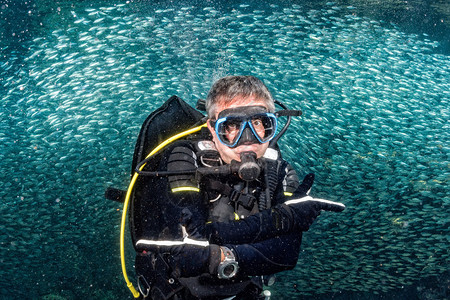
[[229, 129], [264, 126]]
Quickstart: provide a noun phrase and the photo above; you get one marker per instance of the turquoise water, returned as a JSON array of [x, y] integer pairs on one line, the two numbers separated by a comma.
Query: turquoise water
[[78, 79]]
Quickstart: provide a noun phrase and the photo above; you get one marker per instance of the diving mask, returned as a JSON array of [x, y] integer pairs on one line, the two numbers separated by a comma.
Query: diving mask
[[239, 125]]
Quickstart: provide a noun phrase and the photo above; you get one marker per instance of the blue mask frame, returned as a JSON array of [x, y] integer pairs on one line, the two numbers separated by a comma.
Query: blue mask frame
[[245, 116]]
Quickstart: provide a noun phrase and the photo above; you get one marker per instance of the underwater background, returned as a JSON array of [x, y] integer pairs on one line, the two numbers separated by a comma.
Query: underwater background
[[78, 78]]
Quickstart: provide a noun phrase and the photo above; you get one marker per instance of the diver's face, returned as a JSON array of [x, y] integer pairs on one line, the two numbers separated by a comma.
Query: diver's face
[[228, 154]]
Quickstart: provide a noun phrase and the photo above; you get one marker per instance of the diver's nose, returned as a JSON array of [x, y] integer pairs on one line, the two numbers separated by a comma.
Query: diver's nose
[[247, 137]]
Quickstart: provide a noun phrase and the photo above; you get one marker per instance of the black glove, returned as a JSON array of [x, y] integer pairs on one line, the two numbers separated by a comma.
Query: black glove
[[301, 213], [188, 258], [304, 188], [192, 260]]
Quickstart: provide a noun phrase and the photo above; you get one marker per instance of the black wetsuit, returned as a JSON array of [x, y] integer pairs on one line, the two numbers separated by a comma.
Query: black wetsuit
[[226, 200]]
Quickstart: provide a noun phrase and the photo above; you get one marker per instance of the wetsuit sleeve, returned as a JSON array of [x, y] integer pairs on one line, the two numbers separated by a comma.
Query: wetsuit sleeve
[[267, 224], [269, 256]]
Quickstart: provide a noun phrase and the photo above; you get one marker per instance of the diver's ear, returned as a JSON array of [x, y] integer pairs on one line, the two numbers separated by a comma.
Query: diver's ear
[[211, 129]]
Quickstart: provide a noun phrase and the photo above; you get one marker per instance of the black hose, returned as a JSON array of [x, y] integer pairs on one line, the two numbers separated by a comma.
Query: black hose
[[271, 181], [283, 130]]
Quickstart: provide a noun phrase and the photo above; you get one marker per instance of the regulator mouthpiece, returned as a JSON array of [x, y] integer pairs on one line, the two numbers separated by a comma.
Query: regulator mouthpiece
[[249, 169]]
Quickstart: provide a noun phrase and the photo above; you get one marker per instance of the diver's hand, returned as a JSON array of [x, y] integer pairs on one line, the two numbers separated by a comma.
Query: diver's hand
[[186, 258], [303, 211], [192, 260]]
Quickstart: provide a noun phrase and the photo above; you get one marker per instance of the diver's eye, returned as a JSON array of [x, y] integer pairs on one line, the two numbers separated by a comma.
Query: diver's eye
[[257, 123], [258, 126], [232, 126]]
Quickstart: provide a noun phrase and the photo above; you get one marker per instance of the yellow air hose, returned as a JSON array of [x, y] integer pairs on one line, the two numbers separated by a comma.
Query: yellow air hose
[[135, 293]]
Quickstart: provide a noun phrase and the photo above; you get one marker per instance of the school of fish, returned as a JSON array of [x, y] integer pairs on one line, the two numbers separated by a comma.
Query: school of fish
[[375, 130]]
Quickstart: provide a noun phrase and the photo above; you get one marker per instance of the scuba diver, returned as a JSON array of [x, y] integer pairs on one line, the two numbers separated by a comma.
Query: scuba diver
[[216, 214]]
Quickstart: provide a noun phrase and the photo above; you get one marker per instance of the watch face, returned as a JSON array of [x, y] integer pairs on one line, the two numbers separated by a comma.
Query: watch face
[[228, 269]]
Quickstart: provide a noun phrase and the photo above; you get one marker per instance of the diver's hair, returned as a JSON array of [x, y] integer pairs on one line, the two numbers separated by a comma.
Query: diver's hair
[[227, 88]]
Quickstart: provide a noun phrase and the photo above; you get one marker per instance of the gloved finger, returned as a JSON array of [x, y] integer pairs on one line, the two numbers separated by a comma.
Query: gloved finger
[[320, 204], [308, 181], [329, 205], [305, 186]]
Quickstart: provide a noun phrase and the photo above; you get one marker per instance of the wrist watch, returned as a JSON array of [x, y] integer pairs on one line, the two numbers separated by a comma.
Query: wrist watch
[[229, 266]]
